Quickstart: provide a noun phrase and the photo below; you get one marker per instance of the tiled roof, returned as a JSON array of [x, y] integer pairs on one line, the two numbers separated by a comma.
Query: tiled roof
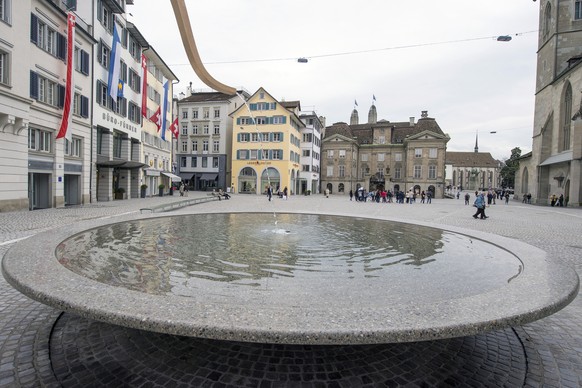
[[207, 97], [471, 159], [339, 129]]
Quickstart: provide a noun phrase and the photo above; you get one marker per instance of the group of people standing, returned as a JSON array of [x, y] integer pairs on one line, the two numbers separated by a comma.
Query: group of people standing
[[387, 196]]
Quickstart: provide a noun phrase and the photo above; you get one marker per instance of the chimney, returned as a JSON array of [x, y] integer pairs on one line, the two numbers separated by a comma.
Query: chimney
[[411, 121]]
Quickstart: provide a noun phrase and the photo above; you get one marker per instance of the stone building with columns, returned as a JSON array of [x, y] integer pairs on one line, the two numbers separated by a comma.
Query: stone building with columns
[[397, 156], [554, 166]]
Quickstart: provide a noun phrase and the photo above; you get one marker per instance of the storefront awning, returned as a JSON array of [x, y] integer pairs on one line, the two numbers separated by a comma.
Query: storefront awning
[[151, 172], [174, 178], [208, 177], [118, 163], [560, 158]]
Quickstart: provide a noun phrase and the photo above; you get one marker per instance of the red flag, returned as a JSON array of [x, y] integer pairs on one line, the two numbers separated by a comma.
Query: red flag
[[157, 118], [144, 86], [174, 128], [66, 120]]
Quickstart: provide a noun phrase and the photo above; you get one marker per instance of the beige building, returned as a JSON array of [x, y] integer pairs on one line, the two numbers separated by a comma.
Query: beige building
[[555, 164], [399, 156], [266, 145]]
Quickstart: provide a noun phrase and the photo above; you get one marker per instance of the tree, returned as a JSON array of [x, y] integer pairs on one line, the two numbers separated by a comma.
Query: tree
[[510, 168]]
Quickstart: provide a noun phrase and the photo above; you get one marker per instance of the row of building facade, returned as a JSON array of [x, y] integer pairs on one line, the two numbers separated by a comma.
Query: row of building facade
[[123, 148], [115, 149]]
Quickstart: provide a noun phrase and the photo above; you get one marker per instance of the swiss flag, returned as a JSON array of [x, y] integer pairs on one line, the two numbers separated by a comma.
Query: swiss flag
[[174, 128], [157, 118]]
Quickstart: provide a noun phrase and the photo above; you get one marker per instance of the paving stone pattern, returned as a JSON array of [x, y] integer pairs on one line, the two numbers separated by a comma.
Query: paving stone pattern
[[39, 347]]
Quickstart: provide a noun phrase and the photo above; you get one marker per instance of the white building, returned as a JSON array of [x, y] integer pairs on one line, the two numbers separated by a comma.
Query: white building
[[310, 152], [36, 170], [157, 151], [203, 152]]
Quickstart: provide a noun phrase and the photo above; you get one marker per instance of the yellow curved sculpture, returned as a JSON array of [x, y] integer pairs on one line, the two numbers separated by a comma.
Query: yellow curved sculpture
[[185, 28]]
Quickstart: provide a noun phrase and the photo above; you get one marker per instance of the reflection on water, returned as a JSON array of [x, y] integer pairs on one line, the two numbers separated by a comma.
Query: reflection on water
[[175, 255]]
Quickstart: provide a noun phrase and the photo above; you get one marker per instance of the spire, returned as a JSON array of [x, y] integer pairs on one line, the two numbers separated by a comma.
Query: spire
[[477, 142], [354, 119]]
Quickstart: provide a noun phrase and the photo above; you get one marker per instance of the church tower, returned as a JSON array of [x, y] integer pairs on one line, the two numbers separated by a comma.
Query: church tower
[[372, 115], [354, 119]]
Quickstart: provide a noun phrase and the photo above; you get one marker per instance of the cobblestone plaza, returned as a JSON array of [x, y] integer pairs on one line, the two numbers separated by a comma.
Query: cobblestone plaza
[[40, 346]]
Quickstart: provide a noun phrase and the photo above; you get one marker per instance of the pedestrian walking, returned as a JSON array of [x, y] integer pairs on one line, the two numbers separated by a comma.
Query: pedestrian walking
[[480, 205]]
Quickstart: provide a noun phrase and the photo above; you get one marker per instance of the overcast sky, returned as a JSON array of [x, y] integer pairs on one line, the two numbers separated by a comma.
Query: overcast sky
[[413, 55]]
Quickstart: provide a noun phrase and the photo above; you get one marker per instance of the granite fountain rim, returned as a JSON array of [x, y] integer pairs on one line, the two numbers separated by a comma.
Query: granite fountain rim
[[25, 267]]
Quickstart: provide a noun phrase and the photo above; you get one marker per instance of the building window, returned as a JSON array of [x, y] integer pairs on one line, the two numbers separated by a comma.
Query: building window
[[5, 11], [418, 152], [245, 137], [329, 170], [46, 38], [134, 113], [206, 129], [73, 148], [307, 153], [204, 162], [547, 20], [397, 174], [81, 61], [184, 129], [183, 161], [44, 90], [216, 146], [215, 162], [216, 113], [278, 137], [184, 146], [194, 113], [578, 10], [342, 171], [567, 119], [134, 49], [342, 154], [432, 153], [134, 81], [364, 157], [194, 161], [103, 55], [398, 157], [195, 129], [277, 154], [216, 129], [194, 146], [4, 67], [431, 172], [205, 145], [184, 114], [81, 105], [39, 140], [117, 141], [329, 154], [380, 157], [206, 113], [417, 172]]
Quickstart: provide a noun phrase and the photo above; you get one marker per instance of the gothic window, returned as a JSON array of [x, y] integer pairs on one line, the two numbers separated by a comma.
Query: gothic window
[[566, 119]]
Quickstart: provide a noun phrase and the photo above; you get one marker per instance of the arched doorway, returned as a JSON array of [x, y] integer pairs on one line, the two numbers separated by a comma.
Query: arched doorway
[[417, 189], [396, 188], [247, 181], [330, 187], [432, 190], [341, 188], [270, 176]]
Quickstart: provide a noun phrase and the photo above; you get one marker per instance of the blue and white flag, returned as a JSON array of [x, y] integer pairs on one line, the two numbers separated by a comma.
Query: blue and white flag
[[165, 112], [114, 66]]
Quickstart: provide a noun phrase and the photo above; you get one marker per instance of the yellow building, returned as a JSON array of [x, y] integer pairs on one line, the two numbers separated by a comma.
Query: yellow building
[[265, 145]]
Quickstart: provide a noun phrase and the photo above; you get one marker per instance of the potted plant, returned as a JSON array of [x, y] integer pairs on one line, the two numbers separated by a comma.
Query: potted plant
[[307, 192], [119, 192], [143, 190], [161, 187]]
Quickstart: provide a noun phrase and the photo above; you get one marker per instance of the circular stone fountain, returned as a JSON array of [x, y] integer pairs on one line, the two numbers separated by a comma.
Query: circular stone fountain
[[290, 279]]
